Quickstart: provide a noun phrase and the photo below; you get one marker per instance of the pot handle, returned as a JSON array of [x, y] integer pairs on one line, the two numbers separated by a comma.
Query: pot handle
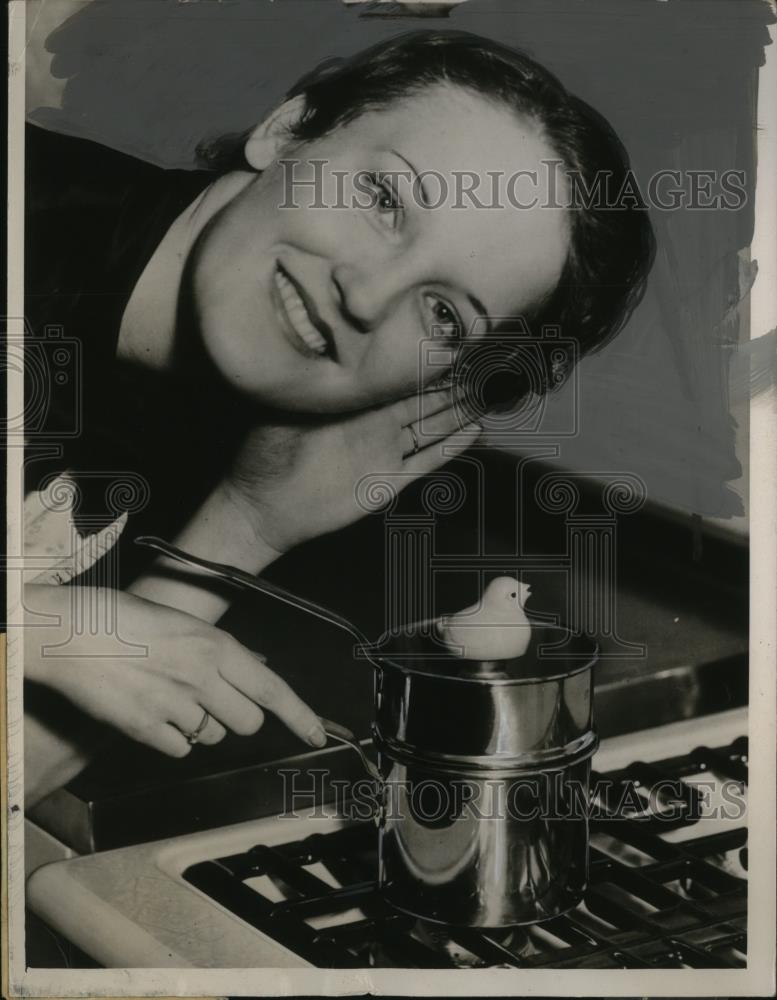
[[344, 735], [239, 578]]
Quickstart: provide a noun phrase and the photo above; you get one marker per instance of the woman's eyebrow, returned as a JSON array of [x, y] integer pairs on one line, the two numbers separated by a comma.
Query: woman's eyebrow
[[481, 311], [416, 177]]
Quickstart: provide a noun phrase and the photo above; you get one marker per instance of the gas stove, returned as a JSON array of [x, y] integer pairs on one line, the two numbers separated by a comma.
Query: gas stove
[[653, 901], [667, 883]]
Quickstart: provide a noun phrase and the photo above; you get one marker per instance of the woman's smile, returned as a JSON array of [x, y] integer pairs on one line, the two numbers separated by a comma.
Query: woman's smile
[[300, 320]]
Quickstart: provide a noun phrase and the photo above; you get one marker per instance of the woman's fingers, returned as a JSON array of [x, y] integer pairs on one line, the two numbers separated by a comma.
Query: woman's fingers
[[429, 417], [233, 709], [167, 739], [191, 667], [431, 458], [421, 405], [416, 437], [249, 675]]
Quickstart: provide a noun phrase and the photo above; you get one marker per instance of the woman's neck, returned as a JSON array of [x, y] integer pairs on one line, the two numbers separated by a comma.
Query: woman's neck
[[148, 332]]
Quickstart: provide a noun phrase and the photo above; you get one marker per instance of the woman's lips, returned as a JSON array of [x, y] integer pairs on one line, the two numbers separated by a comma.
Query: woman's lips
[[305, 335]]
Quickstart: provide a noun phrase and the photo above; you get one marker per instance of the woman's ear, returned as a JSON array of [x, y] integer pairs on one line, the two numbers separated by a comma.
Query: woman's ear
[[270, 136]]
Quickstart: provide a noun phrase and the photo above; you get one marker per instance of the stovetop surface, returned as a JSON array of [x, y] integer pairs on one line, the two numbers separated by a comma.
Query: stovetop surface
[[667, 885], [652, 887]]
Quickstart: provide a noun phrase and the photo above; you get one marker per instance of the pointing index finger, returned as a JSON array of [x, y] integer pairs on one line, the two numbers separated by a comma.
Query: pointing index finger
[[262, 685]]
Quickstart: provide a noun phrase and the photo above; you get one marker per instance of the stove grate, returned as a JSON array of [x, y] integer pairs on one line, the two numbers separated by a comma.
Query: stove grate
[[662, 892]]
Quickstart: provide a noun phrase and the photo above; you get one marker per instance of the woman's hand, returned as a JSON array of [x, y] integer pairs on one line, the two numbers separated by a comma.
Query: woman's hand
[[294, 481], [157, 671], [297, 481]]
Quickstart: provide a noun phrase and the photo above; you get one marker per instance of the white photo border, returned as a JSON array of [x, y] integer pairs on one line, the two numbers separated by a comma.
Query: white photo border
[[756, 980]]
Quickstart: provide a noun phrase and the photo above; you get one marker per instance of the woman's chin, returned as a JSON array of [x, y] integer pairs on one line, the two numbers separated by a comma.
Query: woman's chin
[[285, 394]]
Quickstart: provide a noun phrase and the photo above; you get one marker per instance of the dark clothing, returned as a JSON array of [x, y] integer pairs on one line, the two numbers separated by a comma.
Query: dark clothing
[[94, 217]]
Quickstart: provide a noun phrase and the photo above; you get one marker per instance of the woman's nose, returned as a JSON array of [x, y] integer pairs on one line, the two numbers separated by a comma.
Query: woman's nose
[[365, 296]]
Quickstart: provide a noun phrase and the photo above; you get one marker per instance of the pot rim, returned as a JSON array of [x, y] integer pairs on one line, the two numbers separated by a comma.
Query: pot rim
[[382, 660]]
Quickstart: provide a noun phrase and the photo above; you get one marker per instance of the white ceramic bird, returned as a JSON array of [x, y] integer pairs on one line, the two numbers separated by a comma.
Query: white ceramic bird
[[494, 629]]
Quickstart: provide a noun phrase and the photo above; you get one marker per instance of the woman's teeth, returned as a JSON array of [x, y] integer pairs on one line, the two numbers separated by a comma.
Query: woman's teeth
[[298, 315]]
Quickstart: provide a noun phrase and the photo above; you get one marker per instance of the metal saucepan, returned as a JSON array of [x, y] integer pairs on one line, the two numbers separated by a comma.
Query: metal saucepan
[[483, 770]]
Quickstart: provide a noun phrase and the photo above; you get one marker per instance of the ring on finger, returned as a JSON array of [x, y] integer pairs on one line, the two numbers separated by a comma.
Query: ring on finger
[[193, 737]]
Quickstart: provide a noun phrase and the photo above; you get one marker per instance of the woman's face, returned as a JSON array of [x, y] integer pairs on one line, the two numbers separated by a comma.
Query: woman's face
[[328, 309]]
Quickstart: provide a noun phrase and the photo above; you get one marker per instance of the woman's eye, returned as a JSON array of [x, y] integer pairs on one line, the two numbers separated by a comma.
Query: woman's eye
[[387, 201], [445, 319]]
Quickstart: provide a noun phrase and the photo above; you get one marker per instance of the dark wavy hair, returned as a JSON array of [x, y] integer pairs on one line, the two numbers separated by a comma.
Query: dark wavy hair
[[612, 245]]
